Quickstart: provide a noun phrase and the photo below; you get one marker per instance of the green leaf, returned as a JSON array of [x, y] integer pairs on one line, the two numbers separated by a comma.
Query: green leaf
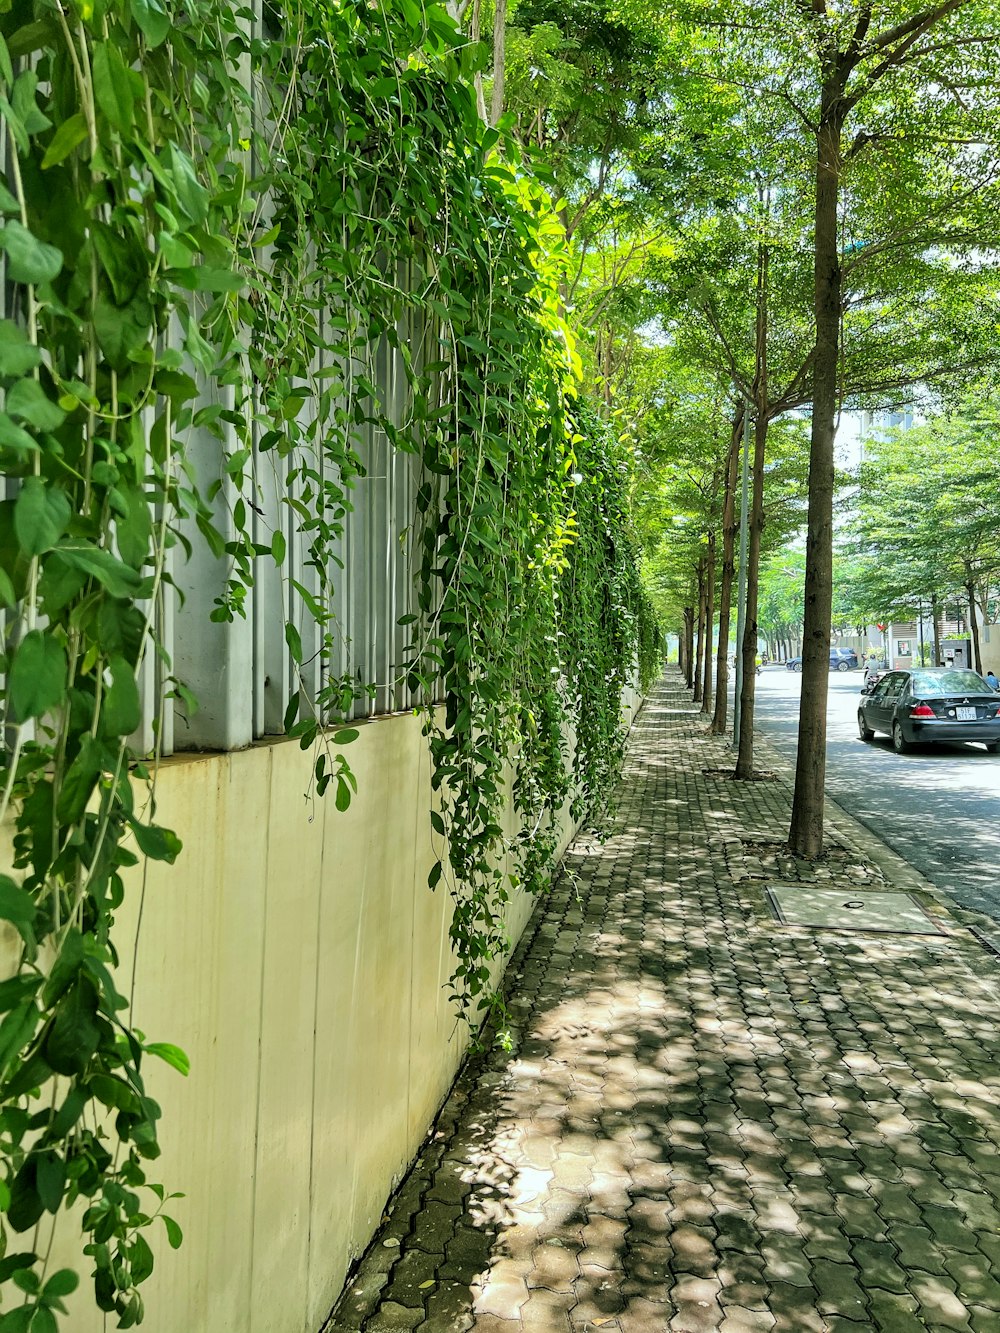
[[113, 86], [173, 1055], [17, 1320], [17, 354], [343, 797], [123, 260], [110, 572], [70, 134], [294, 641], [122, 330], [159, 844], [80, 780], [18, 907], [207, 278], [114, 1092], [151, 20], [434, 878], [134, 529], [16, 989], [51, 1177], [345, 735], [37, 679], [28, 259], [191, 195], [62, 1283], [16, 1031], [291, 711], [13, 1263], [41, 516], [26, 1206], [122, 711], [43, 1321], [15, 437], [175, 1236], [74, 1034], [27, 400], [141, 1260], [278, 547]]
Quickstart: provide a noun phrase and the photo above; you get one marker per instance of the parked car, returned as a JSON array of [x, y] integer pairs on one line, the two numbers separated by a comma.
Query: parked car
[[841, 659], [931, 704]]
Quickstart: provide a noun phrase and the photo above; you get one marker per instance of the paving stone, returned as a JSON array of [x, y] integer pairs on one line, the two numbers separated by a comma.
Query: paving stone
[[693, 1250], [739, 1320], [949, 1228], [555, 1268], [547, 1312], [825, 1238], [876, 1263], [859, 1216], [503, 1294], [894, 1312], [975, 1283], [896, 1203], [794, 1308], [939, 1305], [838, 1290], [917, 1249], [393, 1318]]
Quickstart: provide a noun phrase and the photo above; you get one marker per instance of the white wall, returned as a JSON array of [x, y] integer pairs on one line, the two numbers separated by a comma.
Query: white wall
[[299, 958]]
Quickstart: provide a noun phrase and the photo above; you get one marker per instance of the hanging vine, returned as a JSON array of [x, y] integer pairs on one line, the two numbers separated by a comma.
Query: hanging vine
[[211, 220]]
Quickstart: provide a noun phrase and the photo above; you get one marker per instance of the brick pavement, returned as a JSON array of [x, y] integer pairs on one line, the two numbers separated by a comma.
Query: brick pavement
[[710, 1121]]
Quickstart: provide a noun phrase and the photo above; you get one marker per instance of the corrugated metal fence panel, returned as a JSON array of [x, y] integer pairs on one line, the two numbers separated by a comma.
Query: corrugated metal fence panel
[[242, 672]]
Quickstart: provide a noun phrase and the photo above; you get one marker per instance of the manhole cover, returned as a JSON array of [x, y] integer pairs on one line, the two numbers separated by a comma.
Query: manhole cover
[[850, 909]]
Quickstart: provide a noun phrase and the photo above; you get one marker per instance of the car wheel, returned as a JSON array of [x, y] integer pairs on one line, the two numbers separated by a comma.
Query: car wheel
[[899, 742], [797, 666], [842, 666], [864, 730]]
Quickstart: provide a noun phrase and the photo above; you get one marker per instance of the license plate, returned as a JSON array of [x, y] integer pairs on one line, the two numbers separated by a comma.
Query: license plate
[[965, 714]]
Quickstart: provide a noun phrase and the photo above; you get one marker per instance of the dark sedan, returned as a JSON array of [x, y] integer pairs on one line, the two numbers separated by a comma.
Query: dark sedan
[[841, 659], [934, 704]]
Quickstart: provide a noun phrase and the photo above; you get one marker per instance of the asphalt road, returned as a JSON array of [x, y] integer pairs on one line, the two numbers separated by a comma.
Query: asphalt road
[[938, 806]]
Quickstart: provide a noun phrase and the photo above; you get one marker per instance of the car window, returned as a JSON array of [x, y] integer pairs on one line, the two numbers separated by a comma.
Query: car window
[[892, 686], [949, 682]]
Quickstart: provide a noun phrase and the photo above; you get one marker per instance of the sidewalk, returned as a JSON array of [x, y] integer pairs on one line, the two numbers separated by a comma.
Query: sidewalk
[[711, 1120]]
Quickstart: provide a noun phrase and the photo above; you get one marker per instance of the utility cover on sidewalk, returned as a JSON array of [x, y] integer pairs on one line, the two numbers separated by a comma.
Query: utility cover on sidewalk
[[849, 909]]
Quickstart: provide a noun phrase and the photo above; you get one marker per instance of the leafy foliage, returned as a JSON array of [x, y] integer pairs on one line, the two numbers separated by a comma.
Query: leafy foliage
[[198, 254]]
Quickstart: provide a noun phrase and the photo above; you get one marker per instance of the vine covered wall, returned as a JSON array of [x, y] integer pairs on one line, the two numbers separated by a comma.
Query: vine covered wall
[[213, 216]]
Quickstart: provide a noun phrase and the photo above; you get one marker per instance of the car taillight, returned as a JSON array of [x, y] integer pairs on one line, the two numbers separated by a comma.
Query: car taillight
[[921, 710]]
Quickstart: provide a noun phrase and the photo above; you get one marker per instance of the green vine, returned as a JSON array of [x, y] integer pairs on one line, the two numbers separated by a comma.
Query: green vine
[[213, 224]]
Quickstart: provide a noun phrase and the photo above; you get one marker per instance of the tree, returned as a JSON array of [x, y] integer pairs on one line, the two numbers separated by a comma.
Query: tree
[[927, 518], [870, 85]]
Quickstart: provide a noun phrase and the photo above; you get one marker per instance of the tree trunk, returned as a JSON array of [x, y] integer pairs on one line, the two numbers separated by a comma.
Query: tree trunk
[[689, 646], [936, 628], [974, 627], [730, 523], [748, 684], [748, 691], [805, 835], [499, 56], [706, 700], [700, 652], [475, 33]]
